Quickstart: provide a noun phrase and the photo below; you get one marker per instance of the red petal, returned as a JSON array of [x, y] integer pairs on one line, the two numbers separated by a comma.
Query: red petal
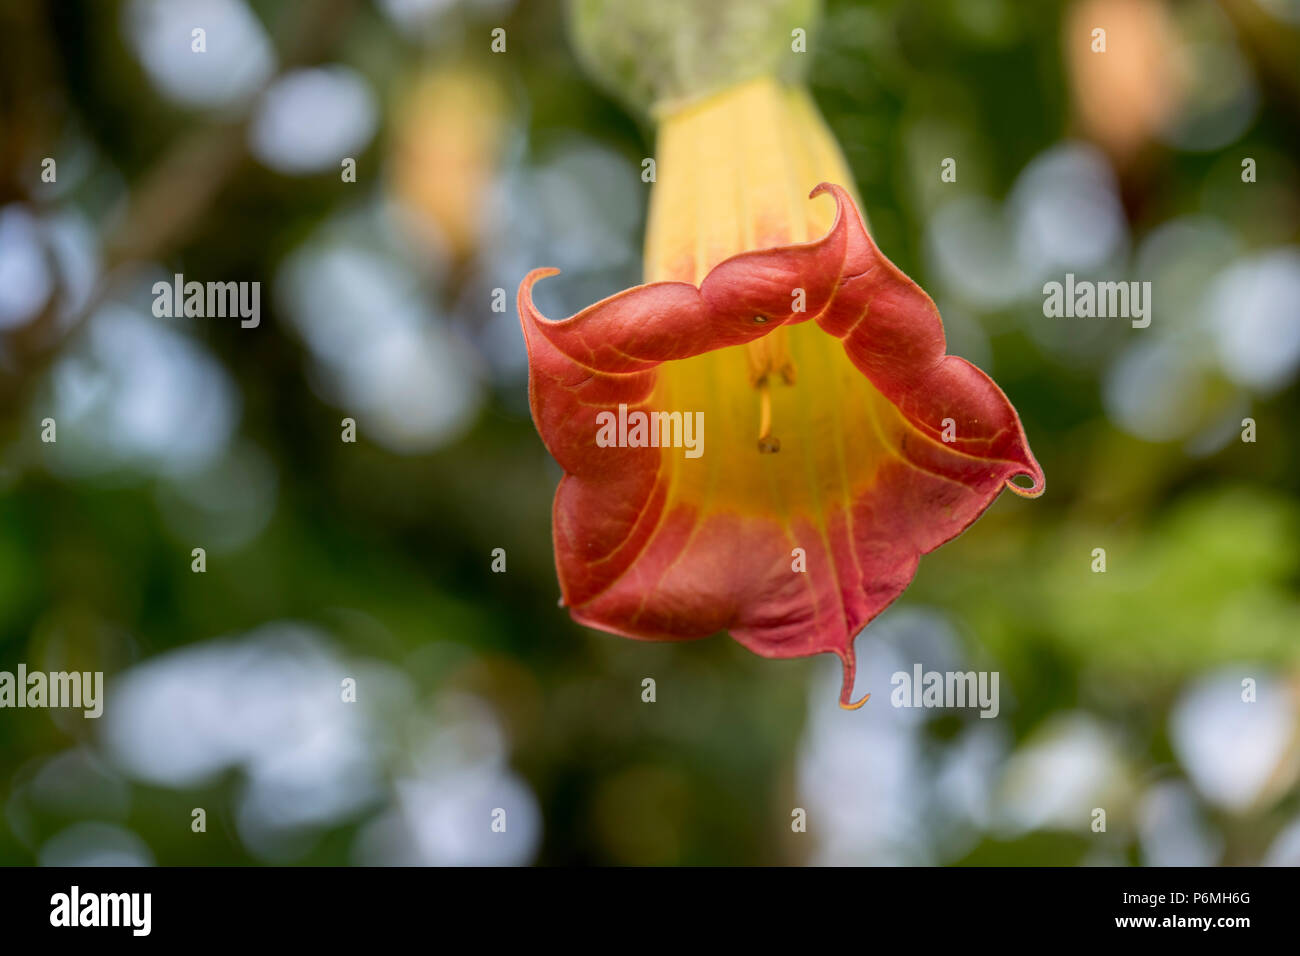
[[634, 562]]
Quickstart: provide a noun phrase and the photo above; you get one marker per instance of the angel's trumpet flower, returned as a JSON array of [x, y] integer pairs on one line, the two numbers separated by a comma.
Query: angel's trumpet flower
[[839, 442]]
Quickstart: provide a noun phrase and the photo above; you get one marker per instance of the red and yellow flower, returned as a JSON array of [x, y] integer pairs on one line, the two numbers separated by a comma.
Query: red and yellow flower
[[842, 442]]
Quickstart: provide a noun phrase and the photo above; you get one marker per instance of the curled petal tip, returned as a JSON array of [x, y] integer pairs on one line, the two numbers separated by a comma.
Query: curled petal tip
[[1037, 487], [846, 693], [536, 274], [524, 300]]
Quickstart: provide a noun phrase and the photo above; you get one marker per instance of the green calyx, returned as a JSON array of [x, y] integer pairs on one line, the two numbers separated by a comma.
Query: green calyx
[[658, 52]]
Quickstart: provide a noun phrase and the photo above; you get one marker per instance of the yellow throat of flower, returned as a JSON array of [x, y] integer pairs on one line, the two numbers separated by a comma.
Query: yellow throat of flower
[[733, 173]]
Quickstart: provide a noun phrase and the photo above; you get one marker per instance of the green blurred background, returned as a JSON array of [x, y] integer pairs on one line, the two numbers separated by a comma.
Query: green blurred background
[[372, 560]]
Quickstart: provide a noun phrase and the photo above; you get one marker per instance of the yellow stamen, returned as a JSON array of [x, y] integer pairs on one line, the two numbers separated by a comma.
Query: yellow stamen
[[768, 356], [767, 442]]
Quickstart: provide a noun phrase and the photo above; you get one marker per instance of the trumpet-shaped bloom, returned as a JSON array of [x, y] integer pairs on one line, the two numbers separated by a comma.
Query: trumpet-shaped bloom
[[766, 436]]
